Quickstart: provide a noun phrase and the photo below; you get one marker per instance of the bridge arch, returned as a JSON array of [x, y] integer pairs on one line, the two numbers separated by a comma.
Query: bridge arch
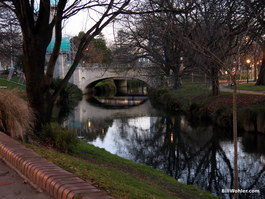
[[85, 76], [121, 84]]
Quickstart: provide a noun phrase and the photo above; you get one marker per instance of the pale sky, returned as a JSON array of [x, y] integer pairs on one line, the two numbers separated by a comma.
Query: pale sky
[[82, 22]]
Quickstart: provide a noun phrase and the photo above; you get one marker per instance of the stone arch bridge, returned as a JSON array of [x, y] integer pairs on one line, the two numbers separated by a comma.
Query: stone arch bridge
[[84, 76]]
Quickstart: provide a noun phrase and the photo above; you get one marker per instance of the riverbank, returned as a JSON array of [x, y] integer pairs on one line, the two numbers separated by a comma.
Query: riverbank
[[194, 100], [121, 178]]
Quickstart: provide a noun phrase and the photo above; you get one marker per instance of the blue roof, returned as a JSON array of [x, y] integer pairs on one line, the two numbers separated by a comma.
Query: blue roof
[[65, 45], [54, 2]]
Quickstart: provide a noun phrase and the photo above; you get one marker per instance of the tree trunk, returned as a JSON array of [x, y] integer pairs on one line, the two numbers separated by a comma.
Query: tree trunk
[[261, 77], [177, 81], [34, 50], [215, 81]]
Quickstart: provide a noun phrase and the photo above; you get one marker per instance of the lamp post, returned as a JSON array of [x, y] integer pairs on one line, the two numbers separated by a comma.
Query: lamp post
[[248, 66]]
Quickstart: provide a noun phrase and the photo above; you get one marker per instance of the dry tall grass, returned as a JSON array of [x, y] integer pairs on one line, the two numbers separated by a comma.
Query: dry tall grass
[[16, 117]]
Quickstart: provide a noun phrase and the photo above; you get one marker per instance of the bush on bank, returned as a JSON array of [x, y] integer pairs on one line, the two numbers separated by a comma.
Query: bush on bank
[[184, 99], [69, 96], [217, 109], [165, 99], [251, 118], [68, 99], [16, 117], [59, 137]]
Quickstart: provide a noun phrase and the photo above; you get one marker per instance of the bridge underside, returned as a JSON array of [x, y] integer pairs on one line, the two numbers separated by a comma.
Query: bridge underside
[[89, 76], [120, 84]]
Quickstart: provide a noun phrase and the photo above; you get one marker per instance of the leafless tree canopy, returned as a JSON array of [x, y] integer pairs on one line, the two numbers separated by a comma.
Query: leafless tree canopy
[[38, 20], [204, 34], [10, 37]]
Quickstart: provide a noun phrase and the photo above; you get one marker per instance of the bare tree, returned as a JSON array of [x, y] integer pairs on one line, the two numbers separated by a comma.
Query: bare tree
[[154, 36], [37, 20], [10, 38], [255, 9], [216, 30]]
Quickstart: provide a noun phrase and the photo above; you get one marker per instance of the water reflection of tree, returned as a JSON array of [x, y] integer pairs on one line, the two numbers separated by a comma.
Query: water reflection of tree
[[192, 156], [254, 143]]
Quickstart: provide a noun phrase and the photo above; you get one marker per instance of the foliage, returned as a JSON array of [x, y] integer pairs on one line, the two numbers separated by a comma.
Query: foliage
[[121, 178], [223, 116], [96, 52], [251, 118], [59, 137], [105, 88], [179, 99], [68, 99], [70, 95], [16, 117], [44, 24], [201, 107]]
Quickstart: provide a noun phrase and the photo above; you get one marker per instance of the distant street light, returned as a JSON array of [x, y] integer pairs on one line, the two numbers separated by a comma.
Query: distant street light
[[248, 66]]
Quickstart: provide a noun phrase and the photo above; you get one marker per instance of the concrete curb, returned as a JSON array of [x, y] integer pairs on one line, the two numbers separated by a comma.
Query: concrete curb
[[59, 183]]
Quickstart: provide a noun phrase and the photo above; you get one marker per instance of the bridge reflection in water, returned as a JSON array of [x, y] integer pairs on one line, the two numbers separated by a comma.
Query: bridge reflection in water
[[190, 152], [122, 101]]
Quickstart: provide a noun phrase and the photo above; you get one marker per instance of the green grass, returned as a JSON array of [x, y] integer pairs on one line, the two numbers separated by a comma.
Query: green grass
[[180, 99], [121, 178], [250, 87], [10, 84], [192, 92]]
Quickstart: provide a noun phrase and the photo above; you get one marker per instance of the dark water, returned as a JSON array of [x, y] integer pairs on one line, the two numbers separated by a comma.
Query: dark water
[[193, 154]]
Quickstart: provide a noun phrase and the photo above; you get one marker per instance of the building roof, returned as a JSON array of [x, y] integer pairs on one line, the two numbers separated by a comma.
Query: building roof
[[65, 45], [54, 2]]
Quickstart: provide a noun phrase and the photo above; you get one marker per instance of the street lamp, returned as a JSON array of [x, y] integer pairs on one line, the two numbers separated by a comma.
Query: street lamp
[[248, 66]]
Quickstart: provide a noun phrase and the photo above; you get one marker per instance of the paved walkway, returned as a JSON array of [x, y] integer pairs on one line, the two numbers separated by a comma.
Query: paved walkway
[[55, 181], [13, 186], [224, 89]]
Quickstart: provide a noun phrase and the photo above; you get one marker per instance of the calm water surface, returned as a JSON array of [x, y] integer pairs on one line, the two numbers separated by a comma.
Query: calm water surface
[[191, 153]]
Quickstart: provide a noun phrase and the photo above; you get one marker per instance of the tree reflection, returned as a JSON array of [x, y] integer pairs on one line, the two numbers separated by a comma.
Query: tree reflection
[[194, 156]]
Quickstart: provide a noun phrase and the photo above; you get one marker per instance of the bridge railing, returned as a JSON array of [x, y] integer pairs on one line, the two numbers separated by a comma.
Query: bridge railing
[[117, 65]]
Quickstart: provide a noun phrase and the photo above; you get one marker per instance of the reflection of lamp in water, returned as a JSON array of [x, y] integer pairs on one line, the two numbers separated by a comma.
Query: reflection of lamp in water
[[89, 123], [125, 101], [171, 137]]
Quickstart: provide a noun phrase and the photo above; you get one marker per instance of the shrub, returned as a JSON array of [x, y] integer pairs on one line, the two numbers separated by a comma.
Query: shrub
[[105, 88], [16, 117], [70, 95], [59, 137], [223, 116], [68, 99]]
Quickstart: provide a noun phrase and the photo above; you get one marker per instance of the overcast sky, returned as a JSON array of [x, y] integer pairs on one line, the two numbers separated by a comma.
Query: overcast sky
[[82, 22]]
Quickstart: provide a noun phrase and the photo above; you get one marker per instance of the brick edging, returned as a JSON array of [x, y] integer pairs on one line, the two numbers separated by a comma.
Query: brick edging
[[60, 184]]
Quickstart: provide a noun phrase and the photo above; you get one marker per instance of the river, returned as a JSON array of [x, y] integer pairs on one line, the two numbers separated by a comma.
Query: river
[[191, 152]]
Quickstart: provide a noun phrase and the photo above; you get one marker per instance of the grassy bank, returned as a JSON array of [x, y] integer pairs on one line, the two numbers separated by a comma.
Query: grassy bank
[[195, 101], [10, 84], [250, 87], [180, 99], [121, 178]]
